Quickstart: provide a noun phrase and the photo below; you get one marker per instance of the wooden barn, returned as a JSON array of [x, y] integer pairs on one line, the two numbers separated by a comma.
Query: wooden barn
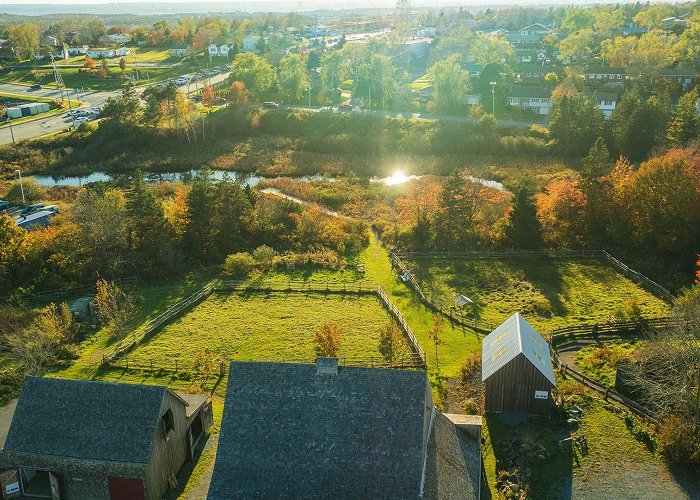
[[516, 369]]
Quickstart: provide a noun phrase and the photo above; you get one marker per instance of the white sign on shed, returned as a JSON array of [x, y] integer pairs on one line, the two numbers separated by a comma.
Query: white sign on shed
[[541, 394]]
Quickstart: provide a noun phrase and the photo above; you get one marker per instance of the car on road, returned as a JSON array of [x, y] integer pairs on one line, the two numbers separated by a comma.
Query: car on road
[[270, 105], [30, 209], [36, 86]]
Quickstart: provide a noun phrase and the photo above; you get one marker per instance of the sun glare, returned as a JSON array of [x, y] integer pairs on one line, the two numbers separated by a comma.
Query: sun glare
[[396, 178]]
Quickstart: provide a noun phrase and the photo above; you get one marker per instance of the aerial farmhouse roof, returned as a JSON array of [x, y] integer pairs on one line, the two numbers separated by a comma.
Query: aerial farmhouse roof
[[513, 337], [302, 431], [89, 420]]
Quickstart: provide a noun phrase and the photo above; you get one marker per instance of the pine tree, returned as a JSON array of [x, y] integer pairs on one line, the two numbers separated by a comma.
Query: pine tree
[[523, 229], [685, 123], [148, 233], [595, 166], [233, 208], [202, 225]]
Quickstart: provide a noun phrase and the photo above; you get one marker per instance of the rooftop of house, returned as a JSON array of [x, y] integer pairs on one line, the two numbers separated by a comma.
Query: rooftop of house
[[513, 337], [294, 430], [81, 419], [453, 467]]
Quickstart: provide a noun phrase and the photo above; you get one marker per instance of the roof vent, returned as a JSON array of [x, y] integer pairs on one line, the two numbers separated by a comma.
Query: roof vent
[[327, 366]]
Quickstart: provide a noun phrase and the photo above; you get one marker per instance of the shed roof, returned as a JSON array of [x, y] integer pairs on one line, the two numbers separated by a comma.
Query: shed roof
[[512, 337], [289, 432], [89, 420], [462, 300]]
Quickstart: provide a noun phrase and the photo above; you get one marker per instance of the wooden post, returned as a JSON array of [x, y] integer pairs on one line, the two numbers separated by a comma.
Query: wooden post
[[175, 364]]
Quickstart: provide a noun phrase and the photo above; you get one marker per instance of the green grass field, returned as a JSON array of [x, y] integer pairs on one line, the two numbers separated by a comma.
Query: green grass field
[[252, 326], [550, 293]]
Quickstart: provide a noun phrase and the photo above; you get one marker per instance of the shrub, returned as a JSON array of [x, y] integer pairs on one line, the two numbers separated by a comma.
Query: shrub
[[238, 264], [327, 339], [33, 192], [471, 366], [640, 431], [264, 256], [678, 441]]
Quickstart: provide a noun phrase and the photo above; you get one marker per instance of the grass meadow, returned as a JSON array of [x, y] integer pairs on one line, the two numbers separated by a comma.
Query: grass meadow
[[550, 293]]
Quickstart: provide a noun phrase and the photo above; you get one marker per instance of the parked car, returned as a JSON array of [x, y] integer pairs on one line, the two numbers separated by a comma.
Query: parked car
[[36, 86], [270, 105], [30, 209]]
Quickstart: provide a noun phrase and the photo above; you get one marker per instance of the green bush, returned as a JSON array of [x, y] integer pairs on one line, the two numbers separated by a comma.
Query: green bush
[[678, 441], [238, 264], [33, 192]]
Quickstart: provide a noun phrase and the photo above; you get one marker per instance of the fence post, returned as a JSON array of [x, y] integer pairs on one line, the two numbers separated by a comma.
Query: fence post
[[175, 364], [222, 368]]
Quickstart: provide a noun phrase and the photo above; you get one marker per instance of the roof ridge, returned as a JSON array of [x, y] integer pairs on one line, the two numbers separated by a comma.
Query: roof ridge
[[517, 327]]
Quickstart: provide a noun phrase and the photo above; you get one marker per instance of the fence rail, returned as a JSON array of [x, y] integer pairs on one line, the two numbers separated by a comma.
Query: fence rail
[[88, 287], [607, 392], [449, 312], [650, 285], [506, 254], [299, 286], [562, 337], [396, 314], [136, 337]]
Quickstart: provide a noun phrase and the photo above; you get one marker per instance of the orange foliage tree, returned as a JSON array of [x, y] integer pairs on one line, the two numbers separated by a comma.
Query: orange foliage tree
[[560, 209]]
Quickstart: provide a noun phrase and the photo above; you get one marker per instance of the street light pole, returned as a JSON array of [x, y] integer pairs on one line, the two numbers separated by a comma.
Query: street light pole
[[493, 98], [9, 120], [21, 186]]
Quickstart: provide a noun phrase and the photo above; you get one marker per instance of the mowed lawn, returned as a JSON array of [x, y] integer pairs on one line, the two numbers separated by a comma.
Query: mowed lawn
[[252, 326], [550, 293]]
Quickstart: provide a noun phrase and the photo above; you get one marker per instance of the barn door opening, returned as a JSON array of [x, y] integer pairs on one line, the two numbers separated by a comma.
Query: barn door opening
[[126, 488], [38, 483]]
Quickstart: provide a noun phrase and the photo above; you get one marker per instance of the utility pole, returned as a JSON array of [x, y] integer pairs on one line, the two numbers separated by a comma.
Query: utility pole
[[493, 98], [136, 68], [59, 81], [21, 186], [9, 120]]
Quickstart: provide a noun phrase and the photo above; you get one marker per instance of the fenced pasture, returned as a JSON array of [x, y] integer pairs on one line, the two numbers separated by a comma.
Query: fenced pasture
[[551, 291], [272, 324]]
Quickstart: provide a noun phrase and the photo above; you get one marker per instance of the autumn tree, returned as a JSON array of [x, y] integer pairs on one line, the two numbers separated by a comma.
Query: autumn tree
[[114, 308], [208, 96], [25, 39], [238, 95], [653, 16], [435, 335], [122, 64], [392, 345], [327, 339], [89, 63], [560, 209]]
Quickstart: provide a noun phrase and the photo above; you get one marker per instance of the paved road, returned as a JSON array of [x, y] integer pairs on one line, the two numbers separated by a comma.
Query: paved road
[[57, 123]]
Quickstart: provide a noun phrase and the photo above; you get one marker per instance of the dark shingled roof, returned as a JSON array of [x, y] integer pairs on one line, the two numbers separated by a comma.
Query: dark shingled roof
[[290, 433], [90, 420], [453, 468]]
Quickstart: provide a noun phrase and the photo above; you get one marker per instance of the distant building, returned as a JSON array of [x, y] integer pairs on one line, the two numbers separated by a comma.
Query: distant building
[[606, 102], [684, 76], [324, 431], [119, 38], [250, 44], [108, 53], [74, 51], [536, 29], [536, 99], [178, 51], [77, 439], [605, 75], [517, 369]]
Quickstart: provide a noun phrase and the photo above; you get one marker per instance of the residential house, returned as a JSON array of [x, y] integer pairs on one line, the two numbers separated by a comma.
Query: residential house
[[684, 76], [50, 40], [605, 76], [521, 40], [531, 72], [74, 51], [534, 98], [178, 51], [536, 29], [75, 439], [606, 102], [474, 69], [107, 53], [516, 368], [320, 430], [119, 38], [633, 29]]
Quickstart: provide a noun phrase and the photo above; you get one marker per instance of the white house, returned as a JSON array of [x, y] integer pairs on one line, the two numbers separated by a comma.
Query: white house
[[606, 102], [178, 51], [74, 51], [108, 53], [533, 98], [119, 38], [218, 50]]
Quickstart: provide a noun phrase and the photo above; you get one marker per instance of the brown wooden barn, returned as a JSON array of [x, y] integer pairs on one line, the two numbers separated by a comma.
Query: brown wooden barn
[[516, 369]]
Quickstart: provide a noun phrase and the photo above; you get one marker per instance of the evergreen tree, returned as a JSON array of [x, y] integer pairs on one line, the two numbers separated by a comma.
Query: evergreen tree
[[233, 209], [685, 123], [201, 229], [595, 166], [575, 121], [450, 223], [149, 234], [523, 229], [637, 125]]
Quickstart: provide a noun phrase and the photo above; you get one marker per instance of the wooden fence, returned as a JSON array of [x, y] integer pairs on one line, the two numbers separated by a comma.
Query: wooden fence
[[88, 288], [650, 285], [573, 336], [506, 254], [608, 393], [396, 314], [119, 354], [137, 336], [450, 312]]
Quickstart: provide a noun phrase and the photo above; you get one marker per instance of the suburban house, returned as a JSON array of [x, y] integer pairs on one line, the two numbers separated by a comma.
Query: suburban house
[[605, 75], [534, 98], [536, 29], [74, 51], [606, 102], [74, 439], [516, 369], [178, 51], [108, 53], [532, 72], [218, 50], [520, 40], [118, 38], [319, 430], [684, 76]]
